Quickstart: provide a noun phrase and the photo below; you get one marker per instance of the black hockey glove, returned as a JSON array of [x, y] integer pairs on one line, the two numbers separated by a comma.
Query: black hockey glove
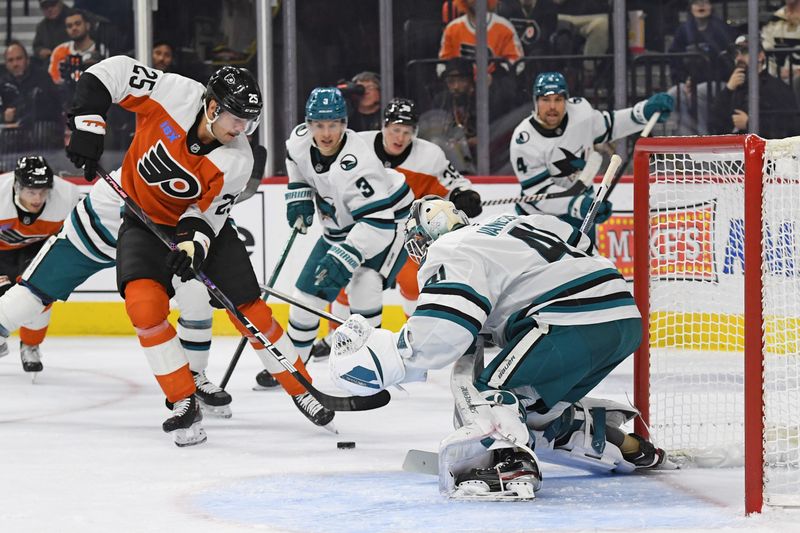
[[191, 249], [468, 201], [86, 143]]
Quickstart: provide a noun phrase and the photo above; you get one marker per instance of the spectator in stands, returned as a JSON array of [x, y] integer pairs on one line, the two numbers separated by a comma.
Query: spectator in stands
[[364, 102], [39, 100], [778, 110], [710, 36], [70, 58], [51, 30], [590, 18], [458, 39], [783, 31], [9, 100], [536, 22], [162, 56]]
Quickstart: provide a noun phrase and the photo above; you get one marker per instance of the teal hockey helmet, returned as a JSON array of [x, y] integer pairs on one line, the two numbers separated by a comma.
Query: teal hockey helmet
[[548, 83], [326, 103]]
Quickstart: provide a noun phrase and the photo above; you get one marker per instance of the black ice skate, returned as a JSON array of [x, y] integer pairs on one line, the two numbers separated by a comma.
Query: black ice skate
[[213, 400], [184, 424], [322, 348], [648, 456], [31, 357], [265, 381], [515, 476], [315, 411]]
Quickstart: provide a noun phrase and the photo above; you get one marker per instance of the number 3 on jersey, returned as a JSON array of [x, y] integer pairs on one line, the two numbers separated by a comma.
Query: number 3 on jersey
[[365, 188]]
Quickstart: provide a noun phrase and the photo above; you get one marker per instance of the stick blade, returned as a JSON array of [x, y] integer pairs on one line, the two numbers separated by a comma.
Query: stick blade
[[421, 462]]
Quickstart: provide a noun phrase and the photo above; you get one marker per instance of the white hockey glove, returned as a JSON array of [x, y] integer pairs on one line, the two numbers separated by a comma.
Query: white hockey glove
[[365, 360]]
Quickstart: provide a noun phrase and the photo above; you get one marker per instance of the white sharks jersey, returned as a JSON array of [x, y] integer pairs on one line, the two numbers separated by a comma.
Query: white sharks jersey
[[358, 200], [482, 277], [93, 226], [424, 165], [549, 161]]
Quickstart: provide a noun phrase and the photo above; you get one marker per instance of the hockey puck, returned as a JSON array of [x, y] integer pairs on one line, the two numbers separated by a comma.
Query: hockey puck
[[345, 445]]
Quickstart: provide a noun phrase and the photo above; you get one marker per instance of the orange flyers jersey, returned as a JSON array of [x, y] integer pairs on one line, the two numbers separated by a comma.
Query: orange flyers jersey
[[501, 38], [166, 169], [61, 52], [16, 232], [425, 167]]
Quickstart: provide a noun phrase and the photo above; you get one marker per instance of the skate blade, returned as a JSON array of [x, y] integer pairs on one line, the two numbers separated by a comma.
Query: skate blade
[[261, 388], [516, 491], [34, 375], [191, 436], [216, 411]]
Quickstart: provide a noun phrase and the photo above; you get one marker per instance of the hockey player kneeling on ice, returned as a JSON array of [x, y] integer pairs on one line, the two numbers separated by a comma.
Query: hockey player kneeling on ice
[[563, 318], [33, 206]]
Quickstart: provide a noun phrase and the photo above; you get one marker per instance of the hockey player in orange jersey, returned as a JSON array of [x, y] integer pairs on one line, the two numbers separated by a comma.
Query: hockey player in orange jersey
[[33, 206], [186, 165], [427, 171]]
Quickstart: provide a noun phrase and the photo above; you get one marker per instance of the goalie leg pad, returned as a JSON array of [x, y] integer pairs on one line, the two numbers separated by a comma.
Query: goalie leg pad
[[489, 420]]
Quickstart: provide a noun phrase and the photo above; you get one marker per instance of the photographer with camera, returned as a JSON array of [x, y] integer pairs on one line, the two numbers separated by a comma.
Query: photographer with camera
[[363, 94], [777, 108]]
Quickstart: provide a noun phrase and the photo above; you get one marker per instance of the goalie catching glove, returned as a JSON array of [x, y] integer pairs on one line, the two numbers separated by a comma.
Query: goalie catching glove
[[365, 360], [191, 249]]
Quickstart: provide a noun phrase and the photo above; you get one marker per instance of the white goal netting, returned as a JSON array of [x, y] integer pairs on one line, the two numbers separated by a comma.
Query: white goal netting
[[696, 298]]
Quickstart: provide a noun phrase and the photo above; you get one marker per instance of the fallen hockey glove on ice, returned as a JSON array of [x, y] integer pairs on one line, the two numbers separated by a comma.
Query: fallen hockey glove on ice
[[191, 249], [468, 201], [661, 102], [337, 266], [86, 143], [300, 206]]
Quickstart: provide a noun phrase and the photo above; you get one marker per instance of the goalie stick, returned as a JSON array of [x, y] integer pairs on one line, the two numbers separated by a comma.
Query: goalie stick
[[335, 403], [585, 179]]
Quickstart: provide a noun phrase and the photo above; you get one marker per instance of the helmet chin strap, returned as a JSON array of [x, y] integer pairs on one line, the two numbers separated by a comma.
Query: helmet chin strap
[[209, 121]]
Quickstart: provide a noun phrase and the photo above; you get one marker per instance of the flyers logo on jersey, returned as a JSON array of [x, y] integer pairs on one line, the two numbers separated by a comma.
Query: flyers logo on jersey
[[157, 168], [14, 238]]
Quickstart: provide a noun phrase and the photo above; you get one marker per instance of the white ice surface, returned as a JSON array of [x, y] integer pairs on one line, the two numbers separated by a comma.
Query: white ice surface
[[82, 450]]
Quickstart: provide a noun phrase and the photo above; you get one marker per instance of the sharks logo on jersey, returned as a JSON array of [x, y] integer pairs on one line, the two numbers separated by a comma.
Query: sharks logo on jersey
[[158, 168], [570, 164], [326, 208], [348, 162], [523, 137]]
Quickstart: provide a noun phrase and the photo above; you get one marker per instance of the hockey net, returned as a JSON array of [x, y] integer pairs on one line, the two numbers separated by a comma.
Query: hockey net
[[718, 373]]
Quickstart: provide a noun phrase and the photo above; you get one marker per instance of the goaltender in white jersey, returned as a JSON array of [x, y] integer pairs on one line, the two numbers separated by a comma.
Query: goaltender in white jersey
[[563, 319], [550, 148]]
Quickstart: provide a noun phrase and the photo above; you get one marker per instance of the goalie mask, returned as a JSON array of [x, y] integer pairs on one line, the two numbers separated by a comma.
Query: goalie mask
[[431, 217]]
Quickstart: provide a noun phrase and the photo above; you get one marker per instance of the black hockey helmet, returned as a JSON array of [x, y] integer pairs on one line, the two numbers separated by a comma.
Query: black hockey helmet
[[33, 172], [236, 90], [401, 111]]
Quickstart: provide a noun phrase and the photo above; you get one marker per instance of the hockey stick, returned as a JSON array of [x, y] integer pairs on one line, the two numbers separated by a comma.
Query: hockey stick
[[335, 403], [588, 174], [243, 341], [294, 301], [645, 133], [600, 196]]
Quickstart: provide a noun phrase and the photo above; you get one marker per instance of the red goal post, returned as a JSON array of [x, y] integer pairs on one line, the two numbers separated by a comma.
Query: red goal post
[[719, 364]]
